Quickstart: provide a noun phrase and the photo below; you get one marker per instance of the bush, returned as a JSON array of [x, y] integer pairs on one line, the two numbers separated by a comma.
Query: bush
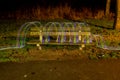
[[92, 56], [113, 55]]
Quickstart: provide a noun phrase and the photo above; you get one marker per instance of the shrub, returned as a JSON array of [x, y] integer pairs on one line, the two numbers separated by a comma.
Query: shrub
[[113, 55]]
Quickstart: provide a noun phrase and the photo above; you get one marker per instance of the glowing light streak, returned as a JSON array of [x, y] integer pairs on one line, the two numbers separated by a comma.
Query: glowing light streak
[[63, 28]]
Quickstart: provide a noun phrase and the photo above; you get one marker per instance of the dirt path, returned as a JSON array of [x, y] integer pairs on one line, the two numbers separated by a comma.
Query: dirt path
[[61, 70]]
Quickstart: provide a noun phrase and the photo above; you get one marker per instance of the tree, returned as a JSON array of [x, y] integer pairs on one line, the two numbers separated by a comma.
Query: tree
[[117, 16], [107, 8]]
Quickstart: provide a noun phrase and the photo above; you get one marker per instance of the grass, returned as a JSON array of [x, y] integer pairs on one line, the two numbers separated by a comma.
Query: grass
[[103, 27]]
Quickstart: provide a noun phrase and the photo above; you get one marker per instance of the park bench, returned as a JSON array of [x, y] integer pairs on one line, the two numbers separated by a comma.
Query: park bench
[[60, 35]]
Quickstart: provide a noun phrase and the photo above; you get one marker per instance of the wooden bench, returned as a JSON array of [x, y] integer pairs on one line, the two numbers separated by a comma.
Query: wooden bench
[[57, 36]]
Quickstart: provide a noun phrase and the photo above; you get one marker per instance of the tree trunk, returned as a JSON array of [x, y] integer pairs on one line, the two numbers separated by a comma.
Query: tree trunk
[[117, 16], [107, 8]]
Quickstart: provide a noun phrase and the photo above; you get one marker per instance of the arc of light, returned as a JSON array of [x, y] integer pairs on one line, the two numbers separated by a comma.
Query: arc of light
[[63, 30], [68, 28], [57, 30], [24, 29]]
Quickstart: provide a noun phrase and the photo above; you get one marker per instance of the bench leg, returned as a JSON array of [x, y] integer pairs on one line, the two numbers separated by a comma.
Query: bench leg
[[82, 46], [39, 47]]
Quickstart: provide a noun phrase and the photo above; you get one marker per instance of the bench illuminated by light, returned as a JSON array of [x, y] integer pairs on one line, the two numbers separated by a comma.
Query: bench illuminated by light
[[61, 35]]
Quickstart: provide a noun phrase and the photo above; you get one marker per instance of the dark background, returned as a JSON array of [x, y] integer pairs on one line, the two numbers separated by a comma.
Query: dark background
[[13, 5]]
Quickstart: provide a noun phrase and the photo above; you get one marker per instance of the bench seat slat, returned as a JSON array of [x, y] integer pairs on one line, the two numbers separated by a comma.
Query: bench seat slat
[[55, 43], [59, 33]]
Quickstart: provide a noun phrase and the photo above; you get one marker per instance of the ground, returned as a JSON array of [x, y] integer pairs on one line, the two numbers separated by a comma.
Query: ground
[[78, 69]]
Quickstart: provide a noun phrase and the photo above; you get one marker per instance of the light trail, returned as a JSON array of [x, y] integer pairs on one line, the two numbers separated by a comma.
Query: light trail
[[60, 27]]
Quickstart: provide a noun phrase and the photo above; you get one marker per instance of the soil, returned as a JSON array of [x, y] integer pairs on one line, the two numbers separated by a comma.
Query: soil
[[69, 69]]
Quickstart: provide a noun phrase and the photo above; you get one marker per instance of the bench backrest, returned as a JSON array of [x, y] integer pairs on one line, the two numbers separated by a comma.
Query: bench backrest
[[62, 34]]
